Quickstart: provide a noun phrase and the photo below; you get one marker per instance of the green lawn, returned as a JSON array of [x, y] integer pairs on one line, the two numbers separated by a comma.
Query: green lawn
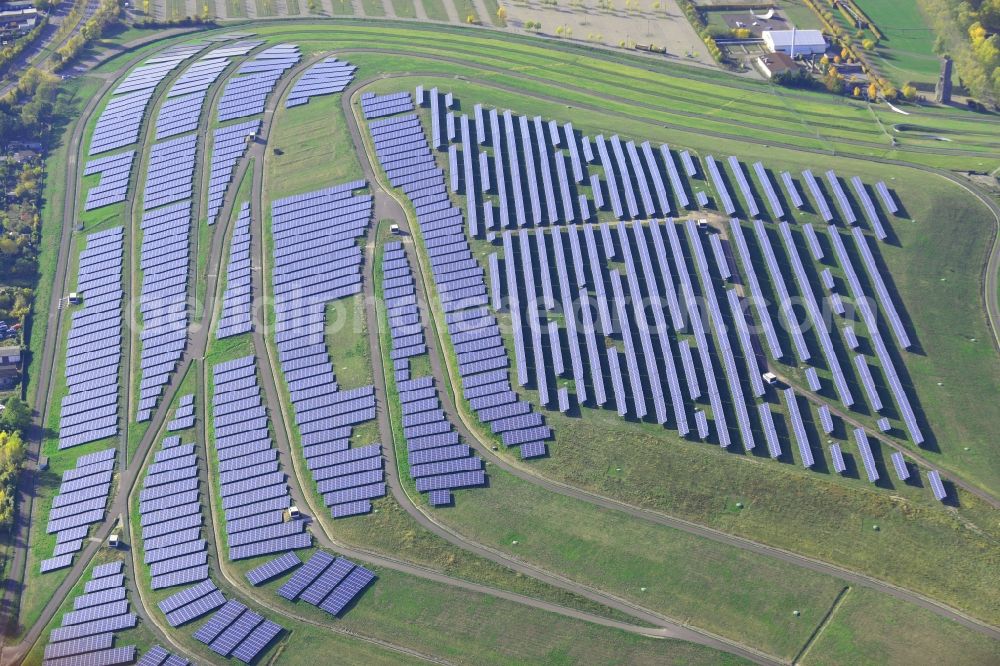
[[435, 10], [906, 52], [309, 141]]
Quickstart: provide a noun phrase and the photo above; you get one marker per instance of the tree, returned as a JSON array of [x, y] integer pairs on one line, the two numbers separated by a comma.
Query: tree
[[909, 92], [872, 90], [16, 416], [857, 91], [502, 13], [868, 44], [825, 60]]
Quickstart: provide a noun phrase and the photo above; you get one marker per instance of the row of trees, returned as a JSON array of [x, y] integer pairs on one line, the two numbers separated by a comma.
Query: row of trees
[[701, 27], [108, 14], [11, 51], [969, 31], [14, 420]]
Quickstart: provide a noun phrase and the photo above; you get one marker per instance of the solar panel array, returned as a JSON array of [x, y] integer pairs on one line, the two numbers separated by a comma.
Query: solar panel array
[[159, 656], [523, 167], [182, 109], [93, 349], [327, 582], [170, 517], [822, 207], [229, 145], [253, 490], [86, 635], [867, 459], [163, 303], [279, 566], [937, 487], [170, 175], [886, 197], [81, 501], [379, 106], [539, 171], [235, 318], [113, 184], [317, 260], [324, 78], [874, 334], [404, 154], [246, 91], [120, 121], [191, 603], [438, 462], [183, 415], [235, 630]]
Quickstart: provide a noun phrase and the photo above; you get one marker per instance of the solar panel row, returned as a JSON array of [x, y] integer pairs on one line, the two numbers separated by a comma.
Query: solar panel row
[[324, 78], [253, 496]]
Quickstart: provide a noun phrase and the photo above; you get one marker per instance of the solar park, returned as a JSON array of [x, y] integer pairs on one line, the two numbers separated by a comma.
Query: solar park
[[565, 275], [542, 213]]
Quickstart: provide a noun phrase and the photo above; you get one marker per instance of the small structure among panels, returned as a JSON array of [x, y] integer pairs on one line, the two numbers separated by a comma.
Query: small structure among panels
[[87, 633], [251, 483], [236, 299], [324, 78], [327, 582], [82, 500], [93, 348]]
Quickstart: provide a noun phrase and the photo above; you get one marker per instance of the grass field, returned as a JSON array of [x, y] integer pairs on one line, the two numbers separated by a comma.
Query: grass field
[[919, 638], [405, 8], [435, 10], [906, 52], [373, 7]]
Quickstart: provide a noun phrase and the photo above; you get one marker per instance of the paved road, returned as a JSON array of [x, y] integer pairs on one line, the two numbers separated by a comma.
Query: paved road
[[47, 39], [467, 428]]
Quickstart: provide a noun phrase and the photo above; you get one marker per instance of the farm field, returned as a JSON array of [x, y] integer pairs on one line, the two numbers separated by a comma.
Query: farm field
[[457, 319]]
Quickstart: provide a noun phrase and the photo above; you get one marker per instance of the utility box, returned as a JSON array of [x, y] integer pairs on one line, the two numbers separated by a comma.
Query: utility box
[[114, 541], [770, 378], [394, 229], [293, 512], [75, 298]]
